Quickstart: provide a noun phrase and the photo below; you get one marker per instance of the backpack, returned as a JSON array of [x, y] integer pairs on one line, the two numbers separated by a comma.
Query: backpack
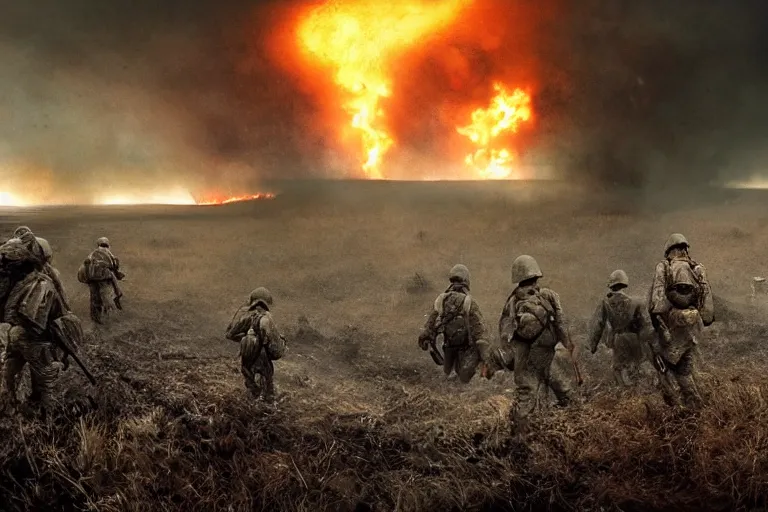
[[98, 265], [533, 315], [683, 287], [452, 320]]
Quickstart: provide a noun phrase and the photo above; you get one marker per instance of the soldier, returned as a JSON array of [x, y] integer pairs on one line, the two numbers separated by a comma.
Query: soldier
[[533, 322], [260, 343], [36, 322], [457, 319], [101, 272], [628, 324], [52, 272], [680, 305]]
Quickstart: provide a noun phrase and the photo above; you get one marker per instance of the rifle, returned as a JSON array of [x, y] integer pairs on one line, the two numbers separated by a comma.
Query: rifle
[[68, 353], [67, 333]]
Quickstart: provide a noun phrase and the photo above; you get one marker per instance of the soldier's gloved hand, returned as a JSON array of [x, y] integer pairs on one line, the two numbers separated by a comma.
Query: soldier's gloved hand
[[423, 343]]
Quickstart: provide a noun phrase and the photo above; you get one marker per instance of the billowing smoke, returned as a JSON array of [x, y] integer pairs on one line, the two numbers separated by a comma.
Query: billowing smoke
[[99, 97]]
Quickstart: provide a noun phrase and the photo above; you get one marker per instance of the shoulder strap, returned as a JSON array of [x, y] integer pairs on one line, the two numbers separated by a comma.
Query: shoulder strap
[[467, 306]]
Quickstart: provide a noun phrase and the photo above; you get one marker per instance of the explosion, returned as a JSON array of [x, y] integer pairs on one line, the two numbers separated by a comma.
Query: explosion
[[360, 41], [503, 116]]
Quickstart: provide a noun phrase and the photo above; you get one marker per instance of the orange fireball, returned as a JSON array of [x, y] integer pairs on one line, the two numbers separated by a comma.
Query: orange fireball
[[359, 41], [489, 125]]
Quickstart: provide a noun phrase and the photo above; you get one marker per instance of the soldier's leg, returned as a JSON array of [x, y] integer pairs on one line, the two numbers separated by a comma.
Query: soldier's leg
[[618, 367], [526, 388], [249, 376], [469, 360], [684, 374], [450, 359], [267, 377], [95, 301], [105, 291], [559, 382], [44, 371], [667, 387], [12, 368]]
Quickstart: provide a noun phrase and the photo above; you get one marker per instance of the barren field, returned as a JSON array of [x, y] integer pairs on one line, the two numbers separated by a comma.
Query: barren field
[[367, 421]]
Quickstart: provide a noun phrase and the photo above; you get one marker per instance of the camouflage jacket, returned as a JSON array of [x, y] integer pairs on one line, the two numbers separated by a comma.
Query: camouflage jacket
[[455, 293], [34, 304], [623, 314], [508, 322], [244, 319]]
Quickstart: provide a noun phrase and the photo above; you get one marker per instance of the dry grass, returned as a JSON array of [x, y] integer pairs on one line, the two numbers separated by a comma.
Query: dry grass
[[367, 422]]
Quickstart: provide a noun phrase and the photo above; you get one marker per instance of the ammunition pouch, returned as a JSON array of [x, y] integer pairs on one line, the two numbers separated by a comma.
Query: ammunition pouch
[[276, 349], [67, 332], [82, 274]]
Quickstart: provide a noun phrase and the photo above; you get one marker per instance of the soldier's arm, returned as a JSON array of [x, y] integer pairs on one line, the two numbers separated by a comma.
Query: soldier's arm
[[238, 328], [476, 323], [507, 322], [561, 326], [269, 331], [429, 331], [597, 326], [707, 305]]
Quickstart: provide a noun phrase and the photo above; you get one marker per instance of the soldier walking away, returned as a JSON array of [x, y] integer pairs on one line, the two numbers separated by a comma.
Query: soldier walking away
[[628, 327], [260, 343], [680, 305], [456, 319], [101, 272], [35, 322], [533, 322]]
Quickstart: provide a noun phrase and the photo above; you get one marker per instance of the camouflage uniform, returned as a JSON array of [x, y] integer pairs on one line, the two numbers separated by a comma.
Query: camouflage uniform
[[628, 324], [35, 318], [260, 343], [680, 304], [456, 318], [533, 334], [53, 273], [101, 272]]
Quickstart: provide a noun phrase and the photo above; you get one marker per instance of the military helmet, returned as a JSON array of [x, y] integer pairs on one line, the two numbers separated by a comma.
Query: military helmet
[[260, 294], [102, 242], [20, 231], [618, 277], [459, 273], [523, 268], [675, 239], [46, 247]]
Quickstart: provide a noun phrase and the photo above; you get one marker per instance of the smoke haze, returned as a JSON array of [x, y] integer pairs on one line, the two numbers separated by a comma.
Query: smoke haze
[[97, 97]]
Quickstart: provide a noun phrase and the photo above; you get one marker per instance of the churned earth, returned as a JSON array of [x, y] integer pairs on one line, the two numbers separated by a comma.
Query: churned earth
[[366, 421]]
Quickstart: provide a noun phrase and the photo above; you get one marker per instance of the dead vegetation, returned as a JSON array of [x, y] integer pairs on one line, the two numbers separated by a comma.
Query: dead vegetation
[[198, 442], [367, 422]]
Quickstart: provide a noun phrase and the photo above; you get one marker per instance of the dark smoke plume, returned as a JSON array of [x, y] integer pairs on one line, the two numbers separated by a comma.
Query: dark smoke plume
[[130, 94]]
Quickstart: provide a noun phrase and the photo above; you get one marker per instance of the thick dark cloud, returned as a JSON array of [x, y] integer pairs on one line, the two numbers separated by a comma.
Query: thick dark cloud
[[659, 91], [133, 93]]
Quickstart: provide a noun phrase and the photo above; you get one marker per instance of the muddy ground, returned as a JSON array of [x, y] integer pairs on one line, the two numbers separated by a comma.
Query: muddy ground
[[367, 421]]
